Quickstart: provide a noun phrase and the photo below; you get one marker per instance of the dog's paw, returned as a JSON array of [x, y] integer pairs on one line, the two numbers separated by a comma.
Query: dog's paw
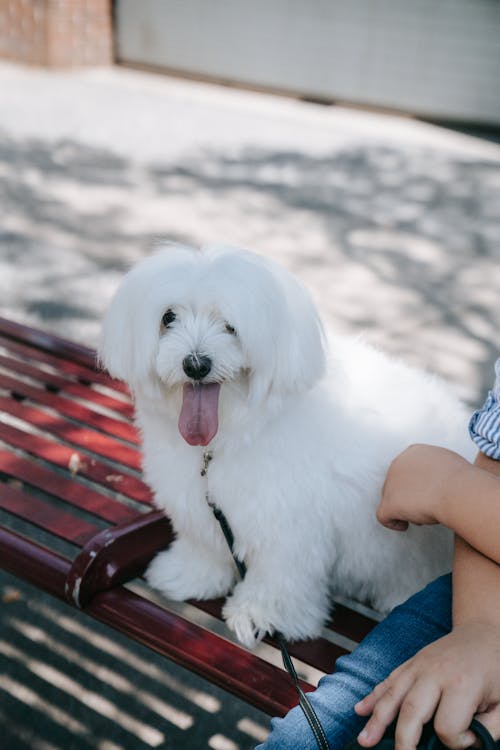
[[250, 614], [245, 624], [181, 573]]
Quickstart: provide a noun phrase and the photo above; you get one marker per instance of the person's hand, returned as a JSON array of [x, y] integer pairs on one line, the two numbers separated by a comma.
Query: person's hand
[[417, 484], [452, 679]]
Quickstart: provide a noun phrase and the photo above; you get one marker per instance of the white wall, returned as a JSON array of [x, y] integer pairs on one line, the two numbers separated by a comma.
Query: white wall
[[438, 58]]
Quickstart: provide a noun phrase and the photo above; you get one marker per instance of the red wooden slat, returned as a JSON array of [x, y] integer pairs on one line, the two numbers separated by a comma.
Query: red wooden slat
[[49, 342], [84, 392], [68, 490], [33, 563], [75, 434], [319, 653], [352, 624], [46, 517], [91, 468], [66, 407], [67, 366]]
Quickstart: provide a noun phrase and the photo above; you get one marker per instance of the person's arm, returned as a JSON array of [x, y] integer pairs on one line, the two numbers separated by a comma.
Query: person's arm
[[426, 484], [476, 604], [476, 579]]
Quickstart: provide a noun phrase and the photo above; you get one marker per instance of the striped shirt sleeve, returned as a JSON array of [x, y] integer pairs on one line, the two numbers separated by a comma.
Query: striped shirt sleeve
[[484, 426]]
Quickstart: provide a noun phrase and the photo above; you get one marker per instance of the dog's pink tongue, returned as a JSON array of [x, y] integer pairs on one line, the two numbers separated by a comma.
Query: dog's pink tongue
[[199, 419]]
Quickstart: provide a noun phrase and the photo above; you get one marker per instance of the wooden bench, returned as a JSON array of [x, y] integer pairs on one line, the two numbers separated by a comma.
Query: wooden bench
[[70, 469]]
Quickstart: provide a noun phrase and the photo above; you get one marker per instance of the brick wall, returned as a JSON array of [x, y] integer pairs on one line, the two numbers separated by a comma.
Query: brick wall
[[56, 33]]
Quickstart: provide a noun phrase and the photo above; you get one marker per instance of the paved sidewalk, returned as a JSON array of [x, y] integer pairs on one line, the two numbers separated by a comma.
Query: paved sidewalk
[[393, 224]]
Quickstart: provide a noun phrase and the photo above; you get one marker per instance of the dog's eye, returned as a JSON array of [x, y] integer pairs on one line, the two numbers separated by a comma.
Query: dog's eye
[[230, 329], [168, 318]]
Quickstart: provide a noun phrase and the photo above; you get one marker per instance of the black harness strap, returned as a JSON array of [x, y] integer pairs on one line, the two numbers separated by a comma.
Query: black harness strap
[[304, 701], [228, 535]]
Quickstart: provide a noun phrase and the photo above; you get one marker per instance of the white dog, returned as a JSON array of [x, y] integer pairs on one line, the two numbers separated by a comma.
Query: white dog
[[225, 355]]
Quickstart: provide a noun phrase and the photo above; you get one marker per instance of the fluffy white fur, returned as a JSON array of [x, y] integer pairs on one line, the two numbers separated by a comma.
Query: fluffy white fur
[[301, 451]]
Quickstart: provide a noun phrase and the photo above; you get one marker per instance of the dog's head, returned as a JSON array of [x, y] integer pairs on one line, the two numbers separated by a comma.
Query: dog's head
[[199, 319]]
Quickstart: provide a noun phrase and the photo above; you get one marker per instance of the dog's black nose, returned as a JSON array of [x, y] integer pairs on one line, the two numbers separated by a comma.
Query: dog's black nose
[[196, 366]]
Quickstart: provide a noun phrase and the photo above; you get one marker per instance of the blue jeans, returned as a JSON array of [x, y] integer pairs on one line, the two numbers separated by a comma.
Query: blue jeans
[[422, 619]]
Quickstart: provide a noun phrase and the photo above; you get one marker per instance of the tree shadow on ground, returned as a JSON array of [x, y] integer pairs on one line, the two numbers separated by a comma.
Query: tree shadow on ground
[[398, 240]]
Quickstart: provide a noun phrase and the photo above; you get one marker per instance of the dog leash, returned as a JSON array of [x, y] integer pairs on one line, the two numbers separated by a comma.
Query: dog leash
[[304, 702]]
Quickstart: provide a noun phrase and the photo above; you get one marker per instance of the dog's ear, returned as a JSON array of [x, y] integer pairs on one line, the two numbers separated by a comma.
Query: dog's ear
[[291, 347], [131, 328], [129, 340]]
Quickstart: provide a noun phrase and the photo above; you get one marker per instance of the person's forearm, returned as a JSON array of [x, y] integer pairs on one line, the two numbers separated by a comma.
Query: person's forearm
[[476, 586], [471, 506], [476, 578]]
